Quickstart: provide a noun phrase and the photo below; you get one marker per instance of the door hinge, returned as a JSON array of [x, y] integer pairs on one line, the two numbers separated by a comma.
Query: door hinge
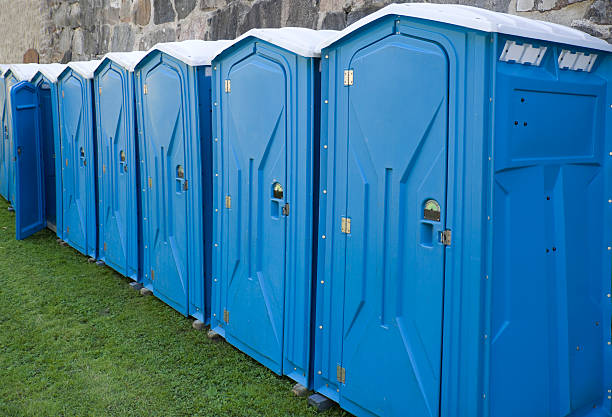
[[345, 225], [286, 209], [67, 229], [104, 169], [62, 93], [100, 90], [445, 237], [152, 275], [341, 374], [228, 201], [186, 185], [150, 182], [145, 89], [228, 86], [225, 316], [104, 246], [348, 77]]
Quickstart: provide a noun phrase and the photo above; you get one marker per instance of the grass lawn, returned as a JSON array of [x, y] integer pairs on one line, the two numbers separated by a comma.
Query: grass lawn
[[75, 340]]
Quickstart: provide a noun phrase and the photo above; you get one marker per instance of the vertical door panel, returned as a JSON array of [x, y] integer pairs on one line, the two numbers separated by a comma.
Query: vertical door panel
[[74, 153], [9, 151], [396, 191], [48, 150], [256, 176], [28, 201], [165, 168], [114, 184], [3, 143]]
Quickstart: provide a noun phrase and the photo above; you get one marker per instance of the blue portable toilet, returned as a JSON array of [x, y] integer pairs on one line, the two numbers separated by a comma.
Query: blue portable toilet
[[3, 133], [173, 110], [78, 157], [464, 229], [265, 125], [15, 74], [115, 108], [44, 82]]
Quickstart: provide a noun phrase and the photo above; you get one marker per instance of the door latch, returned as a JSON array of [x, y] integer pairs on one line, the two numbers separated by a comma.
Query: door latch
[[445, 237], [345, 225], [286, 209]]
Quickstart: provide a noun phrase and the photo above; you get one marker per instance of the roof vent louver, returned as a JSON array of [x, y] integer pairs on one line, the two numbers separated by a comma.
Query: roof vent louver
[[522, 54], [578, 61]]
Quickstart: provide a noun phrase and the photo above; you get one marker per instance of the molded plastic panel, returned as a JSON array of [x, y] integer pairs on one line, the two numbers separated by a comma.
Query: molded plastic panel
[[4, 142], [47, 137], [78, 163], [390, 165], [117, 169], [29, 171], [548, 320], [9, 149], [262, 291], [165, 207]]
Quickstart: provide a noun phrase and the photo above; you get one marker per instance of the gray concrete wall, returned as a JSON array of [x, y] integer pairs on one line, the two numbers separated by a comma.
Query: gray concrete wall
[[64, 30]]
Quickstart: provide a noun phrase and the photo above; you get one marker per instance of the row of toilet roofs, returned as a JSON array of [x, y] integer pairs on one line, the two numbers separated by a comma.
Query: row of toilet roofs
[[220, 176]]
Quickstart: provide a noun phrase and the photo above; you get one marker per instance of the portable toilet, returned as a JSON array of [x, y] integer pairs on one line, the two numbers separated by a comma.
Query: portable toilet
[[3, 134], [464, 228], [78, 156], [44, 82], [15, 74], [174, 145], [33, 109], [265, 153], [115, 106]]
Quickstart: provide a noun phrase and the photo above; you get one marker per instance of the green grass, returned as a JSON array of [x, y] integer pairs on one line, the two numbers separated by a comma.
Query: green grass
[[75, 340]]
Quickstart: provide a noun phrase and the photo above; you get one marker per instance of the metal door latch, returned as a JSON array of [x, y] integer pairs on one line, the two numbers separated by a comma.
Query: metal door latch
[[345, 225], [445, 237]]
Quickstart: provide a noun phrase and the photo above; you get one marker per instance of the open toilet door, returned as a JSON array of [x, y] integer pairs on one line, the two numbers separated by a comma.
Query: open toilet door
[[29, 199]]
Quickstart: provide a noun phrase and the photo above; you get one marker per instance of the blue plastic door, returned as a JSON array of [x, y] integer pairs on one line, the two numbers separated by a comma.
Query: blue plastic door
[[28, 201], [74, 166], [48, 150], [395, 212], [256, 179], [3, 143], [114, 169], [165, 217]]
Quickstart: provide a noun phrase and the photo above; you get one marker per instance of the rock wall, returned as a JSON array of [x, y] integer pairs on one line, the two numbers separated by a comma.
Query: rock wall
[[64, 30]]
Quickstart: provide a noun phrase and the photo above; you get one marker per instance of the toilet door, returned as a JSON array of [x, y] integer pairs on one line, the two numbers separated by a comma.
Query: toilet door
[[397, 98]]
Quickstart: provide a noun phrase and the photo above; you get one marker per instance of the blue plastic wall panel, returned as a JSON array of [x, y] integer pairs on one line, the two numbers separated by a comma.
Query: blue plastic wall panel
[[78, 155], [265, 140], [57, 145], [47, 100], [549, 311], [401, 161], [171, 100], [4, 141], [29, 171], [117, 168], [9, 150]]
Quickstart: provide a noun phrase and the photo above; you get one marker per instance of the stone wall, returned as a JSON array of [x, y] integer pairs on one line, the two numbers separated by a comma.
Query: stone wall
[[64, 30]]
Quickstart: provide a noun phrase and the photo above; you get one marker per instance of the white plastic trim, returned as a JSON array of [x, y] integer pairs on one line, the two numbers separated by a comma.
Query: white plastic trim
[[50, 71], [522, 53], [127, 60], [23, 72], [192, 52], [302, 41], [84, 68], [483, 20], [578, 61]]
